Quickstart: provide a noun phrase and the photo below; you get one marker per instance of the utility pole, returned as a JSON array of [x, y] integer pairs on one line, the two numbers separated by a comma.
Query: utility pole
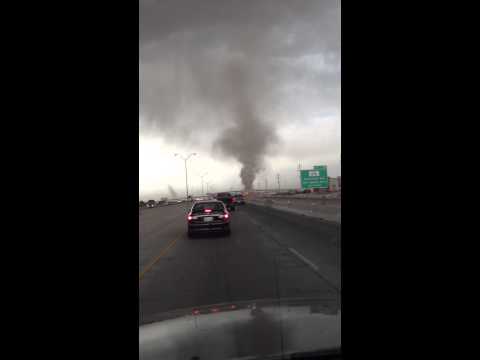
[[278, 180], [186, 171]]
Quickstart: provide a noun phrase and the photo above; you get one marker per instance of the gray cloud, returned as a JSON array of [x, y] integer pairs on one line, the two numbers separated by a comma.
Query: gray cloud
[[236, 70]]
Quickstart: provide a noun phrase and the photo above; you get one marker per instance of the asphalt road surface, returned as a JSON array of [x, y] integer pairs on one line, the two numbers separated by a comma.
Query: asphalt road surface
[[270, 254]]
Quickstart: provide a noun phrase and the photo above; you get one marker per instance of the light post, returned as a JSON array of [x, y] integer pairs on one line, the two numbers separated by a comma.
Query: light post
[[299, 169], [201, 177], [186, 172], [209, 186]]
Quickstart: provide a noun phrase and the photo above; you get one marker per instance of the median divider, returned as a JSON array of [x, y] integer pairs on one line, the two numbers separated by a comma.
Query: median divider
[[316, 209]]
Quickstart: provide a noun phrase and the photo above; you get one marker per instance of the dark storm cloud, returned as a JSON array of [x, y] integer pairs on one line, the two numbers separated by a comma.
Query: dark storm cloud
[[163, 17], [226, 67]]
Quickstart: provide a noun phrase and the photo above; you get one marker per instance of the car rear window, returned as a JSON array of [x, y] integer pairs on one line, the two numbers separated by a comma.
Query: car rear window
[[214, 206]]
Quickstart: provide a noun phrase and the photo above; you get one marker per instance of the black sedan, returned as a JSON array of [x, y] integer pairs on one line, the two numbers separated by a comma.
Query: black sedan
[[208, 216]]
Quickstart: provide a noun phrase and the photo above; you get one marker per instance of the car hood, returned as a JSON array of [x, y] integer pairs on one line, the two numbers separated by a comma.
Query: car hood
[[241, 330]]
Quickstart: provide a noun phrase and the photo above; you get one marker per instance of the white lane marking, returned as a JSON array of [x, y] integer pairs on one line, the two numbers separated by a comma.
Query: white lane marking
[[313, 267], [304, 259]]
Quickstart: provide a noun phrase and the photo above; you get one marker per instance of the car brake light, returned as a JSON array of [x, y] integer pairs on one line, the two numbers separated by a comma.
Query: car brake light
[[189, 217], [208, 210], [225, 216]]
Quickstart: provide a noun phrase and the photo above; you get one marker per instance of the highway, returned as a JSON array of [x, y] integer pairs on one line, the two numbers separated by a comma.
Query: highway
[[269, 254]]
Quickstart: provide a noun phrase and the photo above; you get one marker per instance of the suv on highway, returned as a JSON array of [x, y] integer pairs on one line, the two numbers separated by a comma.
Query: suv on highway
[[151, 203], [228, 199], [209, 215]]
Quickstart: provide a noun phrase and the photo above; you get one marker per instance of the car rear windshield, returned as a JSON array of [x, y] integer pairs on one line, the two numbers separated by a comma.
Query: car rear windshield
[[214, 206], [223, 195]]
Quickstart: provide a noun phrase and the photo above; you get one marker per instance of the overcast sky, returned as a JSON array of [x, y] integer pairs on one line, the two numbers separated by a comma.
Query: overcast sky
[[253, 87]]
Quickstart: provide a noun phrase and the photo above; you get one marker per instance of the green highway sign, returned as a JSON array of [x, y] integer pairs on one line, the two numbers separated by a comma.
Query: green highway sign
[[322, 168], [315, 178]]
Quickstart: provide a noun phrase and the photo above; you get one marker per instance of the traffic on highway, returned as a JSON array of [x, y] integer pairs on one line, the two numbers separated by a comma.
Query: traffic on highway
[[254, 259], [239, 180]]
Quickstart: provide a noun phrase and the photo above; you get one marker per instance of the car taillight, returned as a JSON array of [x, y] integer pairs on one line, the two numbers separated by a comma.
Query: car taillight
[[189, 217], [225, 216]]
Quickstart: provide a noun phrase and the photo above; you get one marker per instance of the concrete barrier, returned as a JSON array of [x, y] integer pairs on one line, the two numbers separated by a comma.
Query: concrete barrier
[[318, 208], [309, 196]]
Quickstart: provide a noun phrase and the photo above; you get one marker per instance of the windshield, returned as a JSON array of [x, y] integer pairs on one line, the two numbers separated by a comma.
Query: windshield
[[203, 207], [240, 133]]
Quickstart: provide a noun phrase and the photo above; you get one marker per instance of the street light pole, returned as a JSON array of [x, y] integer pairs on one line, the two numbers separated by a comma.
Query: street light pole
[[201, 177], [186, 171], [299, 169]]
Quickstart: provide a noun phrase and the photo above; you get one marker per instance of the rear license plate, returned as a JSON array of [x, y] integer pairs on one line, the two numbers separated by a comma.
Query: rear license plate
[[207, 219]]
